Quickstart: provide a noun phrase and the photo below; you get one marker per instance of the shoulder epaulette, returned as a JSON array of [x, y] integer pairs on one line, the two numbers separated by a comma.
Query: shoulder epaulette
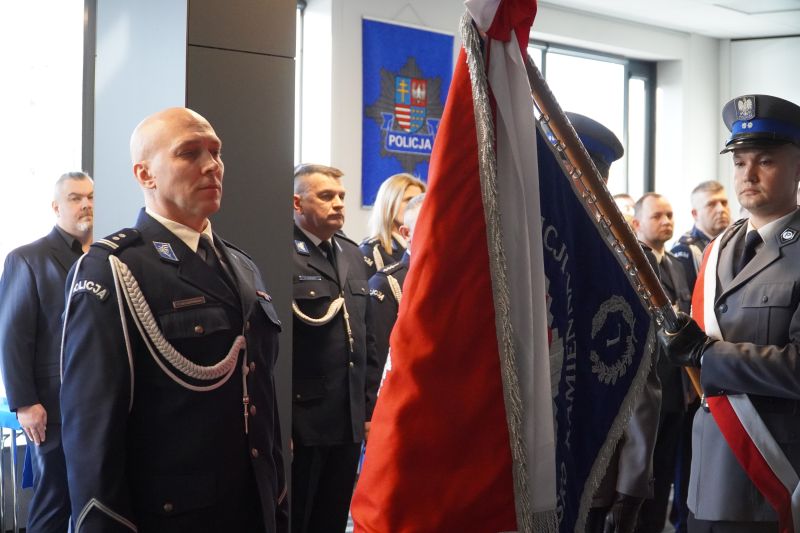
[[687, 238], [116, 242], [391, 269], [340, 235], [369, 241], [231, 245]]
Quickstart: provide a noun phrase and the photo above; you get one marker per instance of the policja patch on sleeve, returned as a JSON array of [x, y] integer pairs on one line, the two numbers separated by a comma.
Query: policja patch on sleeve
[[92, 287]]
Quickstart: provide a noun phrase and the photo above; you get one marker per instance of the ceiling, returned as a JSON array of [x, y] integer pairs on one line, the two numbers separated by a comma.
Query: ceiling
[[723, 19]]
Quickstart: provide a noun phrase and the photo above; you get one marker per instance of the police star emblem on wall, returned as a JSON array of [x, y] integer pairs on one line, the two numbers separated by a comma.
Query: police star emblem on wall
[[408, 111]]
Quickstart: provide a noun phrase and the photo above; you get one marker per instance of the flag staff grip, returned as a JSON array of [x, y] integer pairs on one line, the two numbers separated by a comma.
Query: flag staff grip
[[639, 269]]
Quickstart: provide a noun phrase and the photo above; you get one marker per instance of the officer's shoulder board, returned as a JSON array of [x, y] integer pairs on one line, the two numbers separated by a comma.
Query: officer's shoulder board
[[116, 242], [371, 241], [731, 231], [342, 237], [391, 269], [687, 238]]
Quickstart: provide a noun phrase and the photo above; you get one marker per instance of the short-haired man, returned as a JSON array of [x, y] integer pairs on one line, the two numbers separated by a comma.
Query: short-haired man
[[386, 285], [170, 338], [32, 296], [653, 224], [711, 215], [335, 372], [750, 351]]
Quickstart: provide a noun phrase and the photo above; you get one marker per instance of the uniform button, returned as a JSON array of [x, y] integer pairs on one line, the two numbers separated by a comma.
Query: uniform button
[[199, 329], [247, 326], [312, 293], [764, 299], [723, 308], [297, 396], [254, 453], [252, 366], [352, 364], [253, 410], [168, 507]]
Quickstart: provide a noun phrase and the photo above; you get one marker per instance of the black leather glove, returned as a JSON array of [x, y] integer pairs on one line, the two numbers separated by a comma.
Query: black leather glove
[[685, 347], [621, 518]]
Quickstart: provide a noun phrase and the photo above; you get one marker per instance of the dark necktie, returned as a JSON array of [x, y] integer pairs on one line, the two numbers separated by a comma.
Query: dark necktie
[[327, 249], [206, 251], [751, 240]]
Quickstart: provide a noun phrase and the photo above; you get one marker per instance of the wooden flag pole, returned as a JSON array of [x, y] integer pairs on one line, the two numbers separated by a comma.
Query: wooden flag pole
[[641, 273]]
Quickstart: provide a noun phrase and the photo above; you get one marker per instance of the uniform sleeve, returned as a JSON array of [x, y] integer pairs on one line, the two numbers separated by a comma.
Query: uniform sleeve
[[374, 369], [635, 476], [95, 397], [18, 323], [765, 370]]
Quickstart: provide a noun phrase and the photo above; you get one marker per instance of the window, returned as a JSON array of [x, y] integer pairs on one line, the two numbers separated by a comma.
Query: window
[[616, 92], [40, 110]]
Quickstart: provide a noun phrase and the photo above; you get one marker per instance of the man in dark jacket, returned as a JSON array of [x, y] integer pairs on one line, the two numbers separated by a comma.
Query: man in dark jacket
[[335, 372], [32, 296]]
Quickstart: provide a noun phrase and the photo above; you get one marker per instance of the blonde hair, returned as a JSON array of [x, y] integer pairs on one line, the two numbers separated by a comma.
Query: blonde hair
[[387, 204]]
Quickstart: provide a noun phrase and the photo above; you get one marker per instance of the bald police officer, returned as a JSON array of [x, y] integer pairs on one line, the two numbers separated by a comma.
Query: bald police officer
[[750, 351], [170, 338]]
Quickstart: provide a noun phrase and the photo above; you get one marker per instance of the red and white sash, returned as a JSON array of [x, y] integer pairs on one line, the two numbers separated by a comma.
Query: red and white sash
[[748, 437]]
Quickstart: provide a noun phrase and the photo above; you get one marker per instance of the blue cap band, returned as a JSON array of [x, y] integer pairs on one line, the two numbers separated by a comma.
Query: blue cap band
[[603, 150], [765, 125]]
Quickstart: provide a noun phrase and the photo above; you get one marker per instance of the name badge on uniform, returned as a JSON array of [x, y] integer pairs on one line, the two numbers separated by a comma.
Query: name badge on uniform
[[164, 250], [301, 248]]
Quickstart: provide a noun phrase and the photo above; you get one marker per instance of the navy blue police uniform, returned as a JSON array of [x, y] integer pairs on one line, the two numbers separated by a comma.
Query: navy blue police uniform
[[32, 296], [335, 378], [376, 257], [168, 391], [689, 251], [385, 291]]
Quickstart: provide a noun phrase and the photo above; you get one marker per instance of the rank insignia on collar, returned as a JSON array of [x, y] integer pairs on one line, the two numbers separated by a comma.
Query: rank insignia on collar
[[301, 248], [368, 261], [788, 235], [164, 250]]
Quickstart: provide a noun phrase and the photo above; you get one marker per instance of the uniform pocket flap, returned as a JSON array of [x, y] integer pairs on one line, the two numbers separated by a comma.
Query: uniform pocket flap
[[311, 289], [176, 494], [305, 389], [269, 309], [775, 294], [194, 322], [359, 287]]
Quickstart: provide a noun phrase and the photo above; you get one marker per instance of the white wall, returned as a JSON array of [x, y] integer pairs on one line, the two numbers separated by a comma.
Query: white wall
[[687, 130], [758, 66]]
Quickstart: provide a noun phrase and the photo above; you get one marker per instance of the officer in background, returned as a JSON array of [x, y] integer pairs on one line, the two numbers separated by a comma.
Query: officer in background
[[750, 306], [335, 372], [711, 215], [653, 224], [628, 479], [32, 296], [170, 339], [386, 285]]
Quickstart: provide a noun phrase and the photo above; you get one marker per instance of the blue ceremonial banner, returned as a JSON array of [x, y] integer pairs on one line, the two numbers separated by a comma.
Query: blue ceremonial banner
[[600, 334], [406, 77]]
